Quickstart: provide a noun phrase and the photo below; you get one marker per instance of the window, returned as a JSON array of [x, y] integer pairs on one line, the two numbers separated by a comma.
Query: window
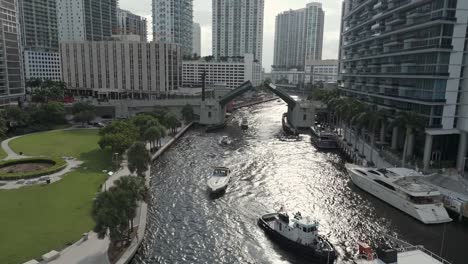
[[386, 185], [209, 116]]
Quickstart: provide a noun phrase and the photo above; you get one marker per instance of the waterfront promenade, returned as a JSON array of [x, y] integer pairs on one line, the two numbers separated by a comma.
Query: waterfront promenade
[[90, 249]]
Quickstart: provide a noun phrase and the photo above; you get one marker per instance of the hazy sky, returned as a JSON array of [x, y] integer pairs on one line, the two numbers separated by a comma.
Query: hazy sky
[[202, 15]]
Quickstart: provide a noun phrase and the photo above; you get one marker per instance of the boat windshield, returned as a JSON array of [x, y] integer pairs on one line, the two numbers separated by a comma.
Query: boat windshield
[[220, 172], [425, 199]]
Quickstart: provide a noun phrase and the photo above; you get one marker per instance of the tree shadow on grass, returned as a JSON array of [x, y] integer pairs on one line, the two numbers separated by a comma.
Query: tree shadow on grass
[[96, 160]]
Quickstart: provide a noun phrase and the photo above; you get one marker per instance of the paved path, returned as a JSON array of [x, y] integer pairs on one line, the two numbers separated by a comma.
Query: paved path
[[71, 165], [94, 250], [10, 153]]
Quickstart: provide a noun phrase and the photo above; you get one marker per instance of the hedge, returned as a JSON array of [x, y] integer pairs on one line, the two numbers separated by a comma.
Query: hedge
[[58, 164]]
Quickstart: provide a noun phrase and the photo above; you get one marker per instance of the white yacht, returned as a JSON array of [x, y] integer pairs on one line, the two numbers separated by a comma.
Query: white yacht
[[219, 181], [298, 234], [400, 254], [403, 189]]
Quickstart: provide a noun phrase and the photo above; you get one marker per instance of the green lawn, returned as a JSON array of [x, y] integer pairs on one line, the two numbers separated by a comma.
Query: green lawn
[[2, 153], [35, 220]]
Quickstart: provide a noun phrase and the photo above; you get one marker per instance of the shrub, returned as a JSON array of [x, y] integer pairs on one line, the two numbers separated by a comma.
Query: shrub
[[58, 164]]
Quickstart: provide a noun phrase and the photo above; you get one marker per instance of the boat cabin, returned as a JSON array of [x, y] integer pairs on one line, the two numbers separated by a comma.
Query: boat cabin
[[297, 228], [220, 172]]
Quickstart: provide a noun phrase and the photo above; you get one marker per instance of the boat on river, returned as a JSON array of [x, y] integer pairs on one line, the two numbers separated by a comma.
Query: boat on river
[[399, 253], [245, 124], [219, 180], [225, 140], [404, 189], [322, 138], [298, 234]]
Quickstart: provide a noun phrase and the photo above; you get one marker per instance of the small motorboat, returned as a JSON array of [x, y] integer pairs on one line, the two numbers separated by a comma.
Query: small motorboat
[[298, 234], [244, 124], [225, 140], [219, 180]]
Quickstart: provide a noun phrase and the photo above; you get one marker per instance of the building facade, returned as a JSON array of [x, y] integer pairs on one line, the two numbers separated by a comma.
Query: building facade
[[121, 69], [411, 56], [231, 73], [298, 37], [237, 28], [131, 24], [173, 23], [38, 23], [86, 20], [42, 65], [11, 72], [196, 50], [325, 71]]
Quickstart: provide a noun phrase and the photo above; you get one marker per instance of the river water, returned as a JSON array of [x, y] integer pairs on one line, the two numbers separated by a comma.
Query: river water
[[187, 225]]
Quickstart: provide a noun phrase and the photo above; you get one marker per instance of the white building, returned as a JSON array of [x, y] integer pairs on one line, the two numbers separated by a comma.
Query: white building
[[86, 20], [292, 76], [237, 28], [173, 22], [298, 37], [232, 72], [131, 24], [121, 69], [325, 71], [196, 39], [42, 65]]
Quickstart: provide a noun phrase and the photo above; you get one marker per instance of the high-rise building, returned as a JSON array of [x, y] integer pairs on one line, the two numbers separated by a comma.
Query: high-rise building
[[411, 56], [91, 20], [38, 23], [196, 39], [173, 23], [298, 37], [131, 24], [39, 39], [121, 69], [238, 28], [11, 75]]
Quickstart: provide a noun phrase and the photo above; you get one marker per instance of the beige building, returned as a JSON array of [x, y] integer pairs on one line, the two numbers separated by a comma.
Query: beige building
[[121, 69]]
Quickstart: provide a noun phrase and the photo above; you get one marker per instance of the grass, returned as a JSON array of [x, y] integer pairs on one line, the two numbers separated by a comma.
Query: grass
[[2, 154], [37, 219]]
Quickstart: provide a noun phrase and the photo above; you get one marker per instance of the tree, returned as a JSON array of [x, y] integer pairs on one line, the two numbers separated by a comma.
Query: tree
[[172, 121], [115, 209], [49, 113], [119, 136], [82, 107], [16, 117], [187, 113], [413, 122], [162, 133], [152, 135], [143, 122], [84, 117], [138, 158]]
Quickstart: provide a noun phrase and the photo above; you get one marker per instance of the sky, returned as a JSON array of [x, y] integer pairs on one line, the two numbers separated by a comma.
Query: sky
[[202, 15]]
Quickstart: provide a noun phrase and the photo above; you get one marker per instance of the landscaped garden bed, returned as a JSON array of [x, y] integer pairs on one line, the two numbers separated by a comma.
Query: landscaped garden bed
[[29, 168]]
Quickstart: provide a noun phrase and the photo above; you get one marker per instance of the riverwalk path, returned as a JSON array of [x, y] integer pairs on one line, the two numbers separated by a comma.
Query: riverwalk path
[[90, 249]]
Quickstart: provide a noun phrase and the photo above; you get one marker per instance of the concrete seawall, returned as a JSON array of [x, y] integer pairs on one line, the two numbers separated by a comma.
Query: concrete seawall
[[142, 211]]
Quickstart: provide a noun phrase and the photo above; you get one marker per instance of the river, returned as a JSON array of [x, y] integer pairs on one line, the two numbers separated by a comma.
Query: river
[[187, 225]]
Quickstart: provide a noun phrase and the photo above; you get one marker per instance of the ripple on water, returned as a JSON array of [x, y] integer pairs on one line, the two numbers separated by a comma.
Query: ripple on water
[[268, 170]]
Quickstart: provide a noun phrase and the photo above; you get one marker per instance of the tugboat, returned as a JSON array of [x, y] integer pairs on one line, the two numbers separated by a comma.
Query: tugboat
[[298, 234]]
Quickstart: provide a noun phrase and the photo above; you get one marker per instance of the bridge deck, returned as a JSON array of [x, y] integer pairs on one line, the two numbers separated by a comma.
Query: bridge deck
[[283, 95], [236, 92]]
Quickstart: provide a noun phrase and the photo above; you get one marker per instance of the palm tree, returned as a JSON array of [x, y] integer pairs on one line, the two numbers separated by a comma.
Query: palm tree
[[371, 118], [151, 135], [162, 133], [412, 122]]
